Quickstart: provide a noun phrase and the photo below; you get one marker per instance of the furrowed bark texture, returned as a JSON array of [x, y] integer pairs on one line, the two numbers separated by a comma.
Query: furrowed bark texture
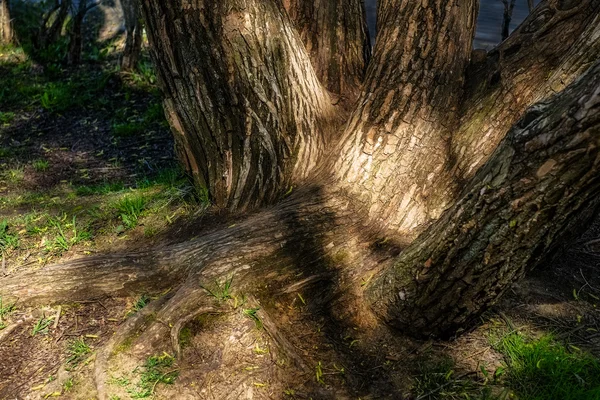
[[551, 49], [248, 111], [397, 139], [540, 184], [336, 36], [5, 23]]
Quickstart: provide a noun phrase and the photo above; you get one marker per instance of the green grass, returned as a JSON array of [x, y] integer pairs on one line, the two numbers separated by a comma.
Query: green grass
[[41, 165], [220, 290], [100, 189], [67, 234], [68, 385], [6, 118], [128, 129], [130, 209], [156, 370], [59, 97], [544, 369], [15, 175], [76, 351], [252, 313], [5, 311], [41, 326], [7, 240], [140, 303]]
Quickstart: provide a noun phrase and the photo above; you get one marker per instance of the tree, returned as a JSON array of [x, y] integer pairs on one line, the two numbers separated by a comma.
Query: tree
[[133, 41], [5, 23], [281, 104], [509, 6], [76, 34]]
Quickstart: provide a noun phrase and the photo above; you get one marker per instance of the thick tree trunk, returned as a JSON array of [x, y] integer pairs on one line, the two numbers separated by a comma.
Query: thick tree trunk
[[249, 115], [406, 177], [541, 185], [6, 34], [551, 49], [133, 41], [336, 37], [251, 118], [396, 141]]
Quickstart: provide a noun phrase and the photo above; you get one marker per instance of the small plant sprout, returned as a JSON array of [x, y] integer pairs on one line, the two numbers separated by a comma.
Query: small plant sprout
[[7, 240], [76, 351], [130, 209], [41, 165], [141, 302], [5, 310], [41, 326], [252, 313], [156, 370], [319, 373], [221, 290], [68, 384]]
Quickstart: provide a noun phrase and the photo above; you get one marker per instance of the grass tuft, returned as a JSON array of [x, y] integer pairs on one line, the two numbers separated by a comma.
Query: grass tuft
[[7, 240], [543, 369], [156, 370], [76, 351], [41, 165], [130, 209], [221, 290]]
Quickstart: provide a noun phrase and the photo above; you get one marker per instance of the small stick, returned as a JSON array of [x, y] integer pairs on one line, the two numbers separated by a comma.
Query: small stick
[[58, 312]]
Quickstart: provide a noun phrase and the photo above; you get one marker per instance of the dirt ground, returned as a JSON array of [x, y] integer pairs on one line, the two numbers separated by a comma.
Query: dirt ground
[[252, 348]]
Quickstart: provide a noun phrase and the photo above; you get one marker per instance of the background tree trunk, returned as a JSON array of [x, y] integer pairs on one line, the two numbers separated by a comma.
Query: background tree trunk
[[541, 185], [509, 6], [249, 114], [133, 41], [6, 34]]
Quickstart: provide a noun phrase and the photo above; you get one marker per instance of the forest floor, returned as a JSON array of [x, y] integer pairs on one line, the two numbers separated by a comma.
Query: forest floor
[[87, 167]]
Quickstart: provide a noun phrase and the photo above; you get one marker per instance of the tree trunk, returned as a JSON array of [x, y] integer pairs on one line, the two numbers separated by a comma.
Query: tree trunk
[[541, 186], [247, 92], [6, 35], [397, 138], [133, 41], [509, 6], [336, 36], [58, 15], [249, 115], [251, 119]]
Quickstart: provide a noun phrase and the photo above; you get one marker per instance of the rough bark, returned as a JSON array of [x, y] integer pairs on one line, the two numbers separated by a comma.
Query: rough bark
[[249, 114], [397, 138], [251, 118], [6, 35], [551, 49], [133, 40], [541, 185], [407, 178], [336, 37]]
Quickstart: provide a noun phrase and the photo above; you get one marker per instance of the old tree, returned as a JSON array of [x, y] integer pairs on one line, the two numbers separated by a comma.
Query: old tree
[[407, 187]]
